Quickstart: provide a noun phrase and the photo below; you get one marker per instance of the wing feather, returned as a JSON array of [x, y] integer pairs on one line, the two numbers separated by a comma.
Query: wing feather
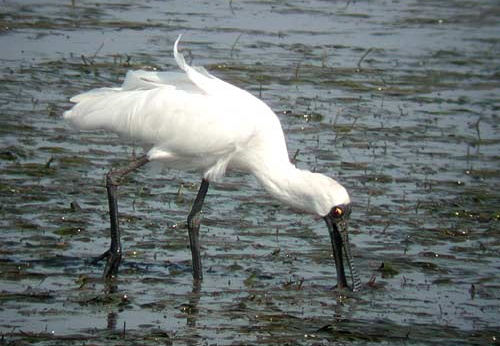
[[190, 119], [206, 81]]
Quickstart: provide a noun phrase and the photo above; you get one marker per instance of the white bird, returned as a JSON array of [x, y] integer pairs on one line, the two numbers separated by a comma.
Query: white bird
[[191, 120]]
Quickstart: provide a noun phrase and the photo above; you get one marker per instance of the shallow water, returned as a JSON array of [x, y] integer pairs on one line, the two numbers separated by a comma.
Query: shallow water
[[398, 100]]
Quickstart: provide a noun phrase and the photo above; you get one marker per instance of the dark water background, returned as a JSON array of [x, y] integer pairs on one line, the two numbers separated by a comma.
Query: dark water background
[[399, 100]]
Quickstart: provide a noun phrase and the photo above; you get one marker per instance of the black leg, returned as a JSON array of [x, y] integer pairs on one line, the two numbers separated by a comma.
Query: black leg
[[114, 254], [194, 220]]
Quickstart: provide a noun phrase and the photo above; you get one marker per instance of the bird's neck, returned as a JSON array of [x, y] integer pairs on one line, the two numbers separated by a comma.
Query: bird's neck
[[282, 180]]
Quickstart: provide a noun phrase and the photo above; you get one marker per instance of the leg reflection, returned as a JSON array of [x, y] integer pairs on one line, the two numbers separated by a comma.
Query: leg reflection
[[110, 289], [112, 319], [192, 307]]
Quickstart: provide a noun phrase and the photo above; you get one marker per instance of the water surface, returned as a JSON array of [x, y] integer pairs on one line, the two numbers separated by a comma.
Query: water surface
[[397, 100]]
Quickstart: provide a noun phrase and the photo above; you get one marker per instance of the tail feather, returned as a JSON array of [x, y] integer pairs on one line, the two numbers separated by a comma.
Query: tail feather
[[106, 108]]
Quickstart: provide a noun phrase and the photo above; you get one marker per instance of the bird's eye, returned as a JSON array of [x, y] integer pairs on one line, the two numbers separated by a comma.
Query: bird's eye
[[337, 212]]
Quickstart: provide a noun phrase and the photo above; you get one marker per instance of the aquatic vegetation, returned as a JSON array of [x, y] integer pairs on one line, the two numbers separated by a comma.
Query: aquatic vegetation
[[398, 102]]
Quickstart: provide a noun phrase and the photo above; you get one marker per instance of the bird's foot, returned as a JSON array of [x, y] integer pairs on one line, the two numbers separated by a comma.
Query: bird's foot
[[114, 258], [98, 259]]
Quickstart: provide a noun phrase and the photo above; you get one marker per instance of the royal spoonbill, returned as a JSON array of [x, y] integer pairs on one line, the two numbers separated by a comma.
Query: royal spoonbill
[[191, 120]]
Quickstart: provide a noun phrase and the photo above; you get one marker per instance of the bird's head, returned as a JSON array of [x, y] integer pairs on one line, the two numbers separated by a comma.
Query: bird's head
[[323, 197], [330, 200], [337, 221]]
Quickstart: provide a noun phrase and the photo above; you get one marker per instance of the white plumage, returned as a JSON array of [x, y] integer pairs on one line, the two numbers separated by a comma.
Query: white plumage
[[192, 120]]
